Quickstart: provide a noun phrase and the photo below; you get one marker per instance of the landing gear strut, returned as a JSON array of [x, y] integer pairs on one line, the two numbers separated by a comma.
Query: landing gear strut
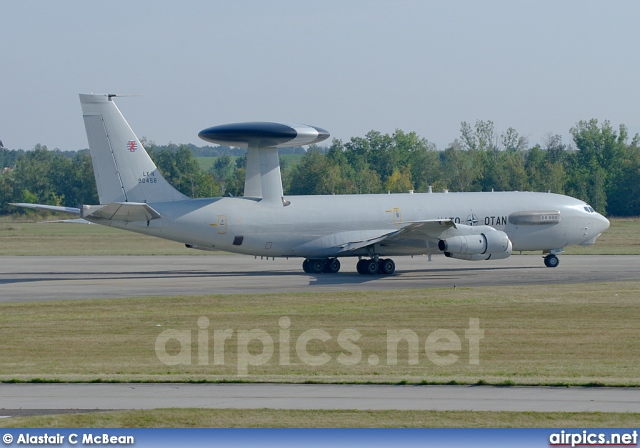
[[551, 261]]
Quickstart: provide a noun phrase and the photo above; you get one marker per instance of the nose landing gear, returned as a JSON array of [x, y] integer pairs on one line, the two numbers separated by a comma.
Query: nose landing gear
[[551, 261]]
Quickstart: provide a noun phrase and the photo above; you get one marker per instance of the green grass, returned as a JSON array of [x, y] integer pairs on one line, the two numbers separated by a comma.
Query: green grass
[[37, 239], [21, 237], [260, 418], [206, 163], [622, 238], [560, 335]]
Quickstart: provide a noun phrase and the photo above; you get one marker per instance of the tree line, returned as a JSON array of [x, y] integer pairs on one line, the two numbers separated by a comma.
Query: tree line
[[601, 167]]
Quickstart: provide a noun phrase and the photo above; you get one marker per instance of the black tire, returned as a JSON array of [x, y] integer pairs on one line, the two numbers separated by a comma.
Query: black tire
[[370, 267], [332, 265], [305, 266], [551, 261], [386, 266], [316, 266], [360, 267]]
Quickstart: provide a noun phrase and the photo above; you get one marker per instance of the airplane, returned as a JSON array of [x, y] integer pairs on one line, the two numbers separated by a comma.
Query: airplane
[[322, 229]]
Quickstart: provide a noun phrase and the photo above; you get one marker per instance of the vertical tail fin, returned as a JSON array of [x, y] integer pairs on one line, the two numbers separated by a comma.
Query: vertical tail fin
[[124, 171]]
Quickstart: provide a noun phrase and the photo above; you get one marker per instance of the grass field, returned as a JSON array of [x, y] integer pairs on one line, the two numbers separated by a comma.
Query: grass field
[[19, 237], [261, 418], [29, 238], [560, 335]]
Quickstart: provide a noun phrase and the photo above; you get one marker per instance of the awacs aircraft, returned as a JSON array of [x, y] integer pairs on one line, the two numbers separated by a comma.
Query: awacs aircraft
[[134, 196]]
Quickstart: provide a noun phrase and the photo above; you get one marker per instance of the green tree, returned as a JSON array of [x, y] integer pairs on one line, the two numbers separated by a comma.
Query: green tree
[[459, 167], [182, 170], [598, 161], [624, 195], [316, 174], [399, 181]]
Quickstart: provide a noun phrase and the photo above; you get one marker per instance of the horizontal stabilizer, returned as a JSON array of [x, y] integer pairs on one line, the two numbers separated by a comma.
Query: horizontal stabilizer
[[120, 211], [68, 221], [51, 208]]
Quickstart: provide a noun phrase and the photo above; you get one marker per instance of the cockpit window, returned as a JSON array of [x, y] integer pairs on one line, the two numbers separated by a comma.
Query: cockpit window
[[589, 209]]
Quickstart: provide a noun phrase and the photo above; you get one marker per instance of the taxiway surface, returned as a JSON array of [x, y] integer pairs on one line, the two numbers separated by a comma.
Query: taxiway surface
[[81, 277], [316, 396]]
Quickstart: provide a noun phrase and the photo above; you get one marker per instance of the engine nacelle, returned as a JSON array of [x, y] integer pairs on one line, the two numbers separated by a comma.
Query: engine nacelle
[[485, 243], [481, 257]]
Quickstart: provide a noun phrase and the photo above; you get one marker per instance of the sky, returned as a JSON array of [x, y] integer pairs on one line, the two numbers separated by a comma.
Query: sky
[[347, 66]]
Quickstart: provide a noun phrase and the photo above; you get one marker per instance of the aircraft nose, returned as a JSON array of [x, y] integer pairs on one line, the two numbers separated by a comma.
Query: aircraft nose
[[602, 223]]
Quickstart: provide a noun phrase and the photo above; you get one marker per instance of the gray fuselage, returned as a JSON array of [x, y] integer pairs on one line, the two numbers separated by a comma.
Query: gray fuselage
[[317, 226]]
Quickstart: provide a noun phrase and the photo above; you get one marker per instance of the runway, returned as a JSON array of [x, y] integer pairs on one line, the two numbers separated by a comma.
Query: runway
[[42, 397], [81, 277]]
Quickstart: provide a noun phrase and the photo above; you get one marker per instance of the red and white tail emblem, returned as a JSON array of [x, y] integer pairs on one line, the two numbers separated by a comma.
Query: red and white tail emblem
[[132, 145]]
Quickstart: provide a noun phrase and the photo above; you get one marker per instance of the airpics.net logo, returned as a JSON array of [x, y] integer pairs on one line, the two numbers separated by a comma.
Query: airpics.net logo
[[259, 347]]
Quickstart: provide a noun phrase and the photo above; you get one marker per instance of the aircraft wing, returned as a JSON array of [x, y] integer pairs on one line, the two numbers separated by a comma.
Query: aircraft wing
[[427, 230], [364, 240]]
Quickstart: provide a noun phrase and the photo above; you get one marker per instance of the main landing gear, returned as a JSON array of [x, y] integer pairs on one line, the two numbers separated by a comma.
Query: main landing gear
[[317, 266], [369, 266], [372, 266]]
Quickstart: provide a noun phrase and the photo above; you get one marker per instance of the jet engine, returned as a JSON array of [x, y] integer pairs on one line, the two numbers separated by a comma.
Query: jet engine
[[493, 245]]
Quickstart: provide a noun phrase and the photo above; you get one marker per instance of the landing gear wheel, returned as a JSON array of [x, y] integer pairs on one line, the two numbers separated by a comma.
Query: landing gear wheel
[[331, 265], [551, 261], [386, 266], [313, 266], [316, 266], [360, 266], [370, 267]]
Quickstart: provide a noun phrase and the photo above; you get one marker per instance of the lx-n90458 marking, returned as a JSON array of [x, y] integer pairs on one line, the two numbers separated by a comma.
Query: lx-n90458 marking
[[321, 230]]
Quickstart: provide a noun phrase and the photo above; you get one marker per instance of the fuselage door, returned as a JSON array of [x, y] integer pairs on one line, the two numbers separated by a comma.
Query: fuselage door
[[397, 216], [222, 224]]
